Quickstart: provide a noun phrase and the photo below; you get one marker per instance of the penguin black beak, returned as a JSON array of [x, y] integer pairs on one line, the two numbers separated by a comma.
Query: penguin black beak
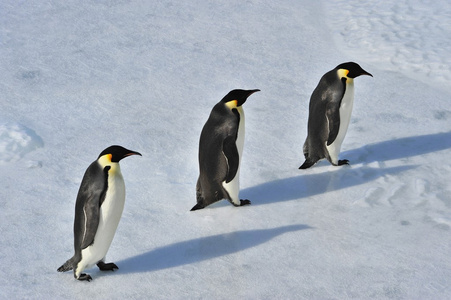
[[366, 73], [132, 153], [253, 91], [249, 92]]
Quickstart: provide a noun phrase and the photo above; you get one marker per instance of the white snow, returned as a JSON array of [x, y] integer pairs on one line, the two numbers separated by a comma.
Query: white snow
[[79, 76]]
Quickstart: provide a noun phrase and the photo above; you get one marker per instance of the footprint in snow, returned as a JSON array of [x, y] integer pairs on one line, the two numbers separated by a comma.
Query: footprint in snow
[[16, 141], [373, 196]]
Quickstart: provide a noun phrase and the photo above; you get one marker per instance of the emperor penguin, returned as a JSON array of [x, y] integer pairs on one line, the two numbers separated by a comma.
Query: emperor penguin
[[98, 209], [329, 114], [220, 151]]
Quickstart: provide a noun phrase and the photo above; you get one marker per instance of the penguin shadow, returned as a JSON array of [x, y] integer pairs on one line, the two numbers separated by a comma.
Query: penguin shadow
[[400, 148], [307, 185], [200, 249]]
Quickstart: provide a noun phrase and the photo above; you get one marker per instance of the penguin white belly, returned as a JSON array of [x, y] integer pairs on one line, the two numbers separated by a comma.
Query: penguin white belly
[[233, 187], [345, 117], [110, 215]]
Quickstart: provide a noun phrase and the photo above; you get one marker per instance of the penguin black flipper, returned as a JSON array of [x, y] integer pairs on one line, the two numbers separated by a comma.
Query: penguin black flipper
[[230, 150], [89, 199], [333, 119], [333, 113], [231, 154]]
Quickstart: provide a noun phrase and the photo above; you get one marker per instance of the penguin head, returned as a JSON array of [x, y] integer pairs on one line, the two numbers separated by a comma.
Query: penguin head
[[116, 153], [237, 97], [352, 70]]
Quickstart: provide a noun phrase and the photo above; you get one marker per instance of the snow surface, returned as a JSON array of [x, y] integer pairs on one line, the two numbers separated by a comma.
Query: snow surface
[[77, 77]]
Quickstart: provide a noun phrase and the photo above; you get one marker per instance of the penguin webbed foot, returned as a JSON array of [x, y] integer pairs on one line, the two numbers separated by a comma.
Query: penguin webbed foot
[[107, 267], [244, 202], [85, 277], [342, 162]]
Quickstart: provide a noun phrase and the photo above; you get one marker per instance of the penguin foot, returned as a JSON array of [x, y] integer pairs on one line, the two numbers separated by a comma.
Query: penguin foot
[[85, 277], [107, 267], [244, 202], [343, 162]]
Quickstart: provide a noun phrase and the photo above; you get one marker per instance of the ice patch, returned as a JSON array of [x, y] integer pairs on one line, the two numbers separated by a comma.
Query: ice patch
[[16, 141]]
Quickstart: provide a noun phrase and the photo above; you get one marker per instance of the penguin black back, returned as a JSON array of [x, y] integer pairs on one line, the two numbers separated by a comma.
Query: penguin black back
[[330, 110], [98, 209], [220, 147]]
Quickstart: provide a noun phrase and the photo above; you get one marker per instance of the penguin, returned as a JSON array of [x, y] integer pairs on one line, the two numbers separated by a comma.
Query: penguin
[[329, 114], [98, 209], [220, 151]]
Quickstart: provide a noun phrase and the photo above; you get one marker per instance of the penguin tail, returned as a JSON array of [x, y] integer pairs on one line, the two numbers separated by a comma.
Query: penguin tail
[[307, 164], [197, 206], [67, 266], [199, 198]]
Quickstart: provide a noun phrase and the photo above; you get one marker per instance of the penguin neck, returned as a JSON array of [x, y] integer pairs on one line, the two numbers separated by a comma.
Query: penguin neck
[[241, 125], [115, 168], [344, 73], [348, 97], [241, 131]]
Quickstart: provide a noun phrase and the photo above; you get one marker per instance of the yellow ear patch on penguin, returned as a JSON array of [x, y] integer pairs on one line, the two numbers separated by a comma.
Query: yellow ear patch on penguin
[[232, 104], [105, 160], [343, 73]]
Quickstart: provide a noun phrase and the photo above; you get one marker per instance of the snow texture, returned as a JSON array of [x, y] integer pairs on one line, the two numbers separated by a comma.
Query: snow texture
[[80, 76]]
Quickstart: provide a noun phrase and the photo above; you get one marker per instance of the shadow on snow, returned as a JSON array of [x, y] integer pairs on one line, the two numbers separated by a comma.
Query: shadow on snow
[[200, 249], [306, 185], [400, 148]]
